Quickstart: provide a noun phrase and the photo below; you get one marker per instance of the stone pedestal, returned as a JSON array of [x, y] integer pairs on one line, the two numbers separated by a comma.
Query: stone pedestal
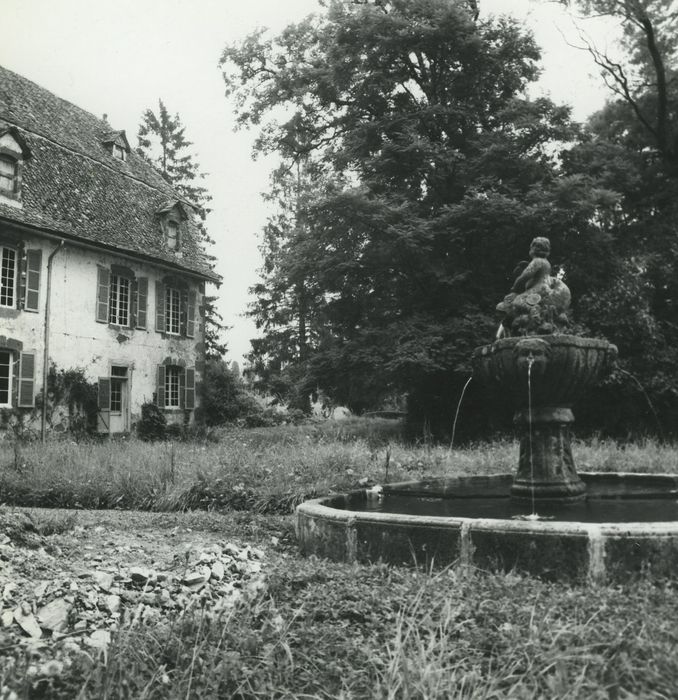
[[546, 471]]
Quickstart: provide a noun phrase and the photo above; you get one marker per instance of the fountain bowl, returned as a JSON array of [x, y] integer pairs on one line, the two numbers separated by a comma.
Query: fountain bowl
[[358, 527]]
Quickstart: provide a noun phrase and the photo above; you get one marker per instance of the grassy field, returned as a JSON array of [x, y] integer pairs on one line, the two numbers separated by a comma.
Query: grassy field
[[266, 470], [324, 630]]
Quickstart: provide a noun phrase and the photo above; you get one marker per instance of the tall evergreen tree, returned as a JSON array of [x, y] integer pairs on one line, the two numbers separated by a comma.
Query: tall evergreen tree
[[162, 141]]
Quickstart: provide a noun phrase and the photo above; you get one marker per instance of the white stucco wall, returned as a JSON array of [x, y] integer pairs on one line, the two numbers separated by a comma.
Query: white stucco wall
[[77, 340]]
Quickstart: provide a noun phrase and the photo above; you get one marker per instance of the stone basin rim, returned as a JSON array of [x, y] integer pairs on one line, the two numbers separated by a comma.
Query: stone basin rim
[[318, 508]]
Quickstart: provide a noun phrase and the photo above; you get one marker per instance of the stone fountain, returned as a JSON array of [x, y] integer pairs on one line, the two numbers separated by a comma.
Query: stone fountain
[[545, 371], [548, 520]]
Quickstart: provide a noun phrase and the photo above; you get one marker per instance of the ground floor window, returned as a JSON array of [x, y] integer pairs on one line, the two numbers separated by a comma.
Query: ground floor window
[[5, 378], [173, 386]]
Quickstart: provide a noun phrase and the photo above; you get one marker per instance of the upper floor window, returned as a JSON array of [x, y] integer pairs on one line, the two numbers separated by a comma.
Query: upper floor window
[[119, 152], [119, 300], [8, 265], [172, 311], [172, 235], [8, 174]]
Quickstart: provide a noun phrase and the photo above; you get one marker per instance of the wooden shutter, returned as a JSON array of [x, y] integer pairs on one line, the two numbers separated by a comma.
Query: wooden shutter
[[189, 389], [160, 309], [103, 294], [16, 365], [190, 315], [142, 302], [32, 283], [183, 313], [104, 405], [160, 389], [25, 394]]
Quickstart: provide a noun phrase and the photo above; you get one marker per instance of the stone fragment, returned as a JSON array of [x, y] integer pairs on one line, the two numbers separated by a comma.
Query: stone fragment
[[27, 622], [193, 577], [99, 639], [8, 591], [217, 570], [54, 615], [140, 574], [7, 618], [111, 603], [40, 589], [103, 579]]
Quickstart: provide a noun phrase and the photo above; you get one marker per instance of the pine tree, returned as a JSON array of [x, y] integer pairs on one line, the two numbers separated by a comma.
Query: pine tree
[[162, 141]]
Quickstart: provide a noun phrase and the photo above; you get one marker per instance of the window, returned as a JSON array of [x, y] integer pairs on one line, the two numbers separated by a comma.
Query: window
[[173, 386], [5, 378], [172, 235], [8, 174], [118, 300], [118, 383], [119, 152], [8, 276], [172, 311]]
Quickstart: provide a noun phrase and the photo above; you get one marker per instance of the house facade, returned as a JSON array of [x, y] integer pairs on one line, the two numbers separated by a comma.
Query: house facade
[[101, 266]]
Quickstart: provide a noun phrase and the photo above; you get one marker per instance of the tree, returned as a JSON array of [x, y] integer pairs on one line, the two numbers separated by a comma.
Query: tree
[[162, 141], [435, 171], [631, 147]]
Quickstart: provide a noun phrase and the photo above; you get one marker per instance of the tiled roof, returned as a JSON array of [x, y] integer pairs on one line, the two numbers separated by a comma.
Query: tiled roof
[[72, 185]]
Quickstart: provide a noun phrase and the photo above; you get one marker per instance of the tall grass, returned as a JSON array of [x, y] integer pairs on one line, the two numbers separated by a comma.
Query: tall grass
[[268, 470]]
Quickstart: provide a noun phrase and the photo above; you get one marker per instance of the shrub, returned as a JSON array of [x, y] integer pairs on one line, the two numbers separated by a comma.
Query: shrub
[[224, 397], [152, 425]]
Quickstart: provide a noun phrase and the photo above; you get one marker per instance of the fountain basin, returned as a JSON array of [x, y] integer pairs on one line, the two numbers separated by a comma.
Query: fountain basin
[[349, 527]]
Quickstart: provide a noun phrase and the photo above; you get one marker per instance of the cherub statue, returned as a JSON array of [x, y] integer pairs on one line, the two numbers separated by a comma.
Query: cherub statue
[[538, 302]]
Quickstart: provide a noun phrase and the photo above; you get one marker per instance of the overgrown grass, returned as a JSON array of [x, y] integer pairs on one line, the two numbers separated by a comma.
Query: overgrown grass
[[268, 470], [337, 631]]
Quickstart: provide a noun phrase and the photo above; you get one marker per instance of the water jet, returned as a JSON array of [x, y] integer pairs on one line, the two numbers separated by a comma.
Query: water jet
[[548, 519]]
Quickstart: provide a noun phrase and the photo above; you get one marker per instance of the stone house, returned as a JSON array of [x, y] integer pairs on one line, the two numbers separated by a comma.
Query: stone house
[[101, 266]]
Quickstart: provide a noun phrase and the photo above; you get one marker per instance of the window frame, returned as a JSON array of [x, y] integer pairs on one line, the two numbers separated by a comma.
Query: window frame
[[14, 281], [172, 310], [116, 299], [173, 375], [14, 179], [10, 375]]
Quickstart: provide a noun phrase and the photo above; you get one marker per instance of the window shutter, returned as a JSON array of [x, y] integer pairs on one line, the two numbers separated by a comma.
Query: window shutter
[[103, 293], [160, 308], [142, 301], [184, 313], [16, 364], [190, 315], [160, 393], [25, 394], [104, 405], [32, 280], [189, 399]]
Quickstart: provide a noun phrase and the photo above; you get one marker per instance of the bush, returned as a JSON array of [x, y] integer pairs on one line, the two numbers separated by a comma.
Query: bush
[[152, 425], [224, 397]]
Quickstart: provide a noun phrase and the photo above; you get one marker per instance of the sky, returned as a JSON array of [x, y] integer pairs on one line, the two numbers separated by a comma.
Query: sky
[[118, 58]]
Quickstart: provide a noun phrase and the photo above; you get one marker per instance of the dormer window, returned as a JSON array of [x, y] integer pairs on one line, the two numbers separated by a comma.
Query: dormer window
[[116, 144], [172, 235], [13, 153], [172, 217], [8, 173]]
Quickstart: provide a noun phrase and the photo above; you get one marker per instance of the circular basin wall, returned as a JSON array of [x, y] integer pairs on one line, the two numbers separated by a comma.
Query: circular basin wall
[[343, 528]]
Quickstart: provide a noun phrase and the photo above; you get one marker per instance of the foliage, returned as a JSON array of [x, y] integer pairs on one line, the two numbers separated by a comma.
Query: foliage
[[631, 148], [152, 425], [224, 396], [423, 174], [162, 141]]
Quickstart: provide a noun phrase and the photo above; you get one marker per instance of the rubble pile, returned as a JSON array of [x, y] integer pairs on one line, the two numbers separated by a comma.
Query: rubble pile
[[88, 603]]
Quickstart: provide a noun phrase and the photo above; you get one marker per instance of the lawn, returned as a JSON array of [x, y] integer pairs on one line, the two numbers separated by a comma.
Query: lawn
[[319, 629]]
